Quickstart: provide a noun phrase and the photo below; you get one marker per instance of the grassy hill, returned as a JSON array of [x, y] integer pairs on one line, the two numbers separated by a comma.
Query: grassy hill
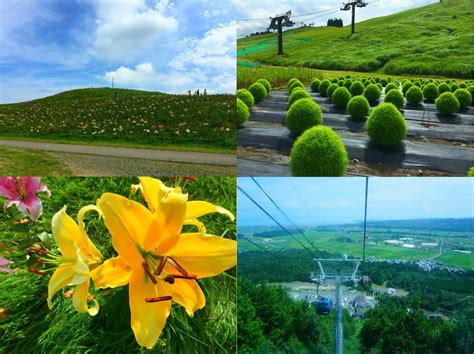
[[436, 39], [136, 117]]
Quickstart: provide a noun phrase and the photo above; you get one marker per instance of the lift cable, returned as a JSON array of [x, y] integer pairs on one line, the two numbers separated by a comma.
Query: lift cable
[[302, 15], [262, 248], [302, 201], [286, 216], [271, 217]]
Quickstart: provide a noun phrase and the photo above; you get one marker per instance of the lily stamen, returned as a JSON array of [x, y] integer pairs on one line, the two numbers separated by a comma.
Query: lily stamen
[[175, 264], [161, 265], [171, 277], [147, 271], [158, 299]]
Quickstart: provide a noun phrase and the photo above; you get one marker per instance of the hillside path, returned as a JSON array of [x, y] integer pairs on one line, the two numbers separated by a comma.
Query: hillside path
[[133, 153]]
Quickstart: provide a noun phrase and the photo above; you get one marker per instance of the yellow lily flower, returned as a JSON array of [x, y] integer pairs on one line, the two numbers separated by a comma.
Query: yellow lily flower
[[78, 255], [158, 262]]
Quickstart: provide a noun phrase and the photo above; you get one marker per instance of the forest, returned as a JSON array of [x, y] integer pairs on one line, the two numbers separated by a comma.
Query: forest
[[396, 324]]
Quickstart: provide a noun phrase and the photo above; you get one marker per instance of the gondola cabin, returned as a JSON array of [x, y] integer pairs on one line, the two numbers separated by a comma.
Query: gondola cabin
[[323, 306]]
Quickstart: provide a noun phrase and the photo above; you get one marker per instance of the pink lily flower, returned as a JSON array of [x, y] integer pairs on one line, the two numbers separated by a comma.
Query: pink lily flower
[[3, 262], [22, 192]]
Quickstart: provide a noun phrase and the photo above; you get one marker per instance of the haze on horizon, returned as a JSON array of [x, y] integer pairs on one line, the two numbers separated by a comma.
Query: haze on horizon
[[331, 201]]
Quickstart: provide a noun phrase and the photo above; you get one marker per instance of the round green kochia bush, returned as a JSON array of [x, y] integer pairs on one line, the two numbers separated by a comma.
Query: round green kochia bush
[[414, 95], [386, 125], [258, 91], [447, 104], [406, 86], [396, 98], [315, 85], [358, 107], [454, 87], [246, 97], [319, 152], [295, 85], [290, 81], [391, 86], [302, 115], [340, 97], [296, 95], [331, 89], [470, 173], [471, 91], [384, 82], [357, 88], [323, 86], [265, 83], [462, 85], [348, 83], [334, 80], [443, 87], [242, 112], [464, 97], [430, 92], [372, 93]]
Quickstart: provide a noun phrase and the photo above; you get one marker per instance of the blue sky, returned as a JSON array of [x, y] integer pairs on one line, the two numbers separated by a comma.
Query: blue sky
[[331, 8], [341, 200], [49, 46]]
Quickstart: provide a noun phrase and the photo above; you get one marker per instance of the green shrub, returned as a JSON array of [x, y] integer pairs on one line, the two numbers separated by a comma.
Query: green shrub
[[462, 85], [396, 98], [302, 115], [265, 83], [358, 107], [295, 85], [246, 97], [348, 83], [464, 97], [315, 85], [384, 82], [258, 92], [447, 104], [290, 81], [242, 112], [296, 95], [372, 93], [454, 87], [470, 173], [414, 95], [334, 80], [430, 92], [386, 125], [340, 97], [406, 86], [319, 152], [390, 86], [471, 90], [323, 86], [443, 87], [331, 89], [357, 88]]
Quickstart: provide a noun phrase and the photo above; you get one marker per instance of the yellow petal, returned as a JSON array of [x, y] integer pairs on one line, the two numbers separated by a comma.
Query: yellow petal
[[60, 278], [204, 255], [112, 273], [88, 248], [170, 217], [196, 209], [79, 299], [66, 233], [153, 190], [200, 226], [128, 222], [147, 319], [81, 270], [187, 293]]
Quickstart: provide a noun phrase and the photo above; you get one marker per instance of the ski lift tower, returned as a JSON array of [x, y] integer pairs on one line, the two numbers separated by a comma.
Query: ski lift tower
[[321, 278], [277, 23], [352, 5]]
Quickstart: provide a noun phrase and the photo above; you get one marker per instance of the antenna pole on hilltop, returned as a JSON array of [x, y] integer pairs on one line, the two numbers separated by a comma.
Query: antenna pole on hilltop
[[351, 6], [112, 82], [278, 22]]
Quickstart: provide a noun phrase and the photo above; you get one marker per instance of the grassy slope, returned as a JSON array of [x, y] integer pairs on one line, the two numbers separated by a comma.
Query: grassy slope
[[134, 117], [431, 40]]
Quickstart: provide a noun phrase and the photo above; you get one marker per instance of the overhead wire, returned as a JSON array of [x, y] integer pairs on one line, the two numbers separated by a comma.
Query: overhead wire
[[274, 220], [256, 244], [286, 216], [293, 16]]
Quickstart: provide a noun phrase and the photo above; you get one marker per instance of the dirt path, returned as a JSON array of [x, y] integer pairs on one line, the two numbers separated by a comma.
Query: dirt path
[[130, 153]]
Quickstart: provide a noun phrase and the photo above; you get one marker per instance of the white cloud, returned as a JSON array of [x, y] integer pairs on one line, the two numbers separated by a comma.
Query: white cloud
[[143, 73], [128, 28]]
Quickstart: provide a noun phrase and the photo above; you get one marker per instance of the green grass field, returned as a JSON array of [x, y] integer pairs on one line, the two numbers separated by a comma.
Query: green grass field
[[134, 117], [435, 40], [457, 259], [30, 163]]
